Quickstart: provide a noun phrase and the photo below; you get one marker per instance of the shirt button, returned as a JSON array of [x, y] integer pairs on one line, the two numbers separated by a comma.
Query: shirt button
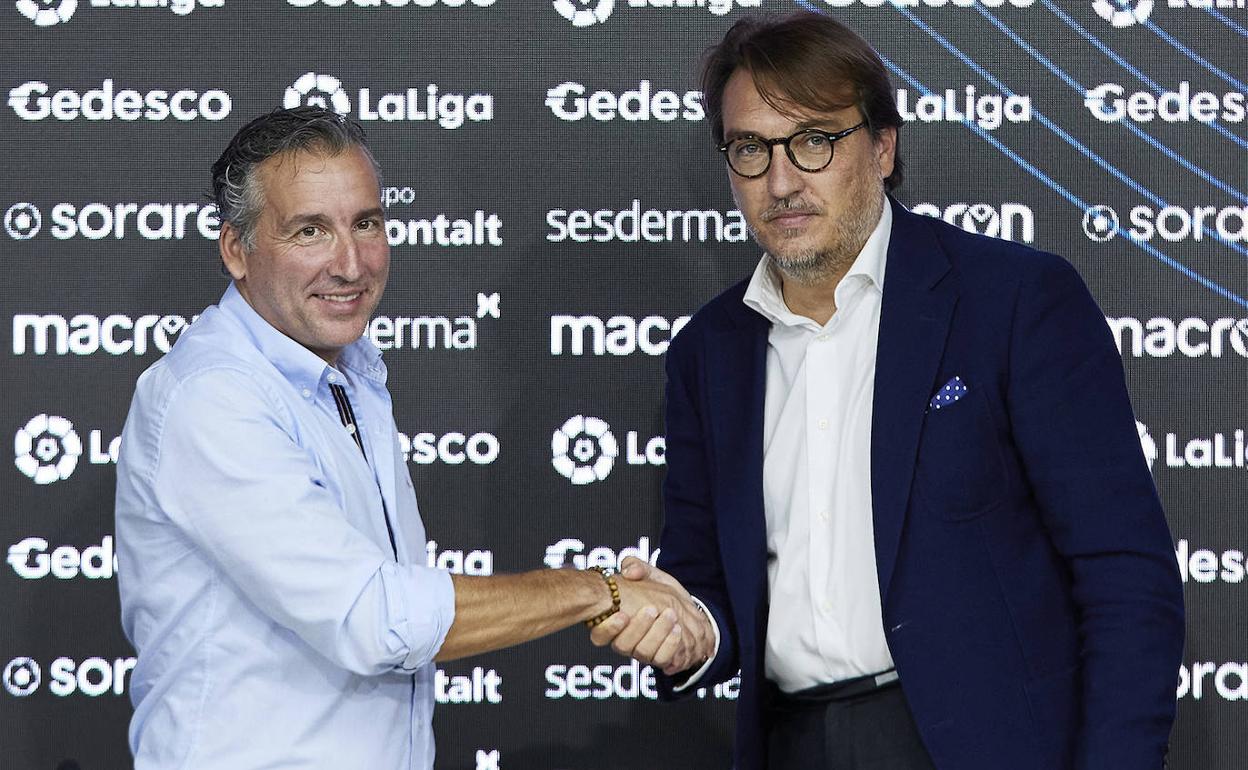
[[826, 605], [823, 423], [332, 377], [307, 393], [823, 515], [822, 337]]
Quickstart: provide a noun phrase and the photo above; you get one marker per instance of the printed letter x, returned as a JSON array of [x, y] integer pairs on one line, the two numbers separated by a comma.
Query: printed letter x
[[487, 304]]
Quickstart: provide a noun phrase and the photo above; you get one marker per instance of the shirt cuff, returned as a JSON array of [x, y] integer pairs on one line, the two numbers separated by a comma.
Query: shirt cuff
[[696, 675], [422, 604]]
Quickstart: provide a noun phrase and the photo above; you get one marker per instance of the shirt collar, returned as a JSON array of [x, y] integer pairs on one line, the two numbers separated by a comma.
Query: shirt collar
[[765, 293], [295, 362]]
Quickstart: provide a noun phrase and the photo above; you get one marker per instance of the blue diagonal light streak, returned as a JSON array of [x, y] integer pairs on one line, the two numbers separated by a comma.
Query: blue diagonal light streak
[[1121, 62], [1189, 53], [1215, 13], [1053, 185], [1070, 81]]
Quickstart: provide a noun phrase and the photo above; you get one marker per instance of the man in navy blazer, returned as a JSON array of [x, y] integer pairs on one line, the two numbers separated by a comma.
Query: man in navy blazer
[[946, 551]]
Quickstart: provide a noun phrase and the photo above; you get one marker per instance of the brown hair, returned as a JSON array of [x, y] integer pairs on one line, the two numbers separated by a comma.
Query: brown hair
[[803, 59]]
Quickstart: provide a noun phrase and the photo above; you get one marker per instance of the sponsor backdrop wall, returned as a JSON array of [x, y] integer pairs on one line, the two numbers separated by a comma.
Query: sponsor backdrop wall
[[556, 212]]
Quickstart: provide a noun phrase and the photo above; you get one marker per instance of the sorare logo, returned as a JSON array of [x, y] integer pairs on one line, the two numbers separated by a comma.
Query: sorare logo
[[22, 677]]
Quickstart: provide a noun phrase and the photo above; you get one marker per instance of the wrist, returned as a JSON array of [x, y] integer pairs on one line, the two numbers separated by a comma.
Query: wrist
[[613, 590]]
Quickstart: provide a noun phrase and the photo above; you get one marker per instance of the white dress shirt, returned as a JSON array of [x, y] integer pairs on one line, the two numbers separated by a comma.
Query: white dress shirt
[[825, 623]]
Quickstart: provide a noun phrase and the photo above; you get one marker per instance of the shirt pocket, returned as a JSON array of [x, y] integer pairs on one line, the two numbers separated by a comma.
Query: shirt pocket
[[959, 473]]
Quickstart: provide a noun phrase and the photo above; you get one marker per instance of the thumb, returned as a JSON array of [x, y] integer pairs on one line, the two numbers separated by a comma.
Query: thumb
[[634, 569]]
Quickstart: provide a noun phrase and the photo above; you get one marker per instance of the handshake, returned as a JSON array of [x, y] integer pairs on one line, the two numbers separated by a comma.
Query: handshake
[[658, 624]]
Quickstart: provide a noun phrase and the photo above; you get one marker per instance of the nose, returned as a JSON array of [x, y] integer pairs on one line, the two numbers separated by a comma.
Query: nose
[[783, 178], [347, 264]]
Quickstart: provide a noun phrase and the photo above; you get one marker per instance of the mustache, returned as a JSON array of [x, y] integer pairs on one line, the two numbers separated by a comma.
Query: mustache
[[789, 207]]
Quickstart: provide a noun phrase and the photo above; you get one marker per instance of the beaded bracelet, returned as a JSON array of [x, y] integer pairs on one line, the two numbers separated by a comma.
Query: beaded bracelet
[[609, 577]]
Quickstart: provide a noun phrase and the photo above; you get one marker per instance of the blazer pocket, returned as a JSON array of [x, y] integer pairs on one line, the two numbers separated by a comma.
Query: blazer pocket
[[958, 472]]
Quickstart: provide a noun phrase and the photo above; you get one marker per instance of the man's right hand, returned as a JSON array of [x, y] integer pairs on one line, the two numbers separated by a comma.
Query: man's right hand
[[658, 623]]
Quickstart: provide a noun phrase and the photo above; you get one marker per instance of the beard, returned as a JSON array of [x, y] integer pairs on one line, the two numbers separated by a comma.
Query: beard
[[847, 233]]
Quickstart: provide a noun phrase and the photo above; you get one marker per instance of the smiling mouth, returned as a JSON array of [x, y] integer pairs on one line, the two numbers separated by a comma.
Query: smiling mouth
[[339, 298]]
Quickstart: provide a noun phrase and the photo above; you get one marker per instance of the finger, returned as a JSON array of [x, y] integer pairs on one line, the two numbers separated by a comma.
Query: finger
[[626, 641], [634, 569], [662, 628], [674, 654], [606, 631]]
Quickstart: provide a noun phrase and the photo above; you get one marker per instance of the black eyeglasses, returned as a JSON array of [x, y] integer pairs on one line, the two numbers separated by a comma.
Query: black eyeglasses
[[809, 149]]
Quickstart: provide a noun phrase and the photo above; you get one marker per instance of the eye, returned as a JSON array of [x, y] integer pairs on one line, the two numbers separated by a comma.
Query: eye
[[367, 224], [812, 141], [747, 148], [309, 231]]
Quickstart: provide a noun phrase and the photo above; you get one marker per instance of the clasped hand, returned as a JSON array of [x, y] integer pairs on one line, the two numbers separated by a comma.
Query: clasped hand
[[658, 623]]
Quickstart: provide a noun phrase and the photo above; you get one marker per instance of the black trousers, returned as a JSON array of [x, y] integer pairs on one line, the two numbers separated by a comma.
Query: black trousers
[[820, 730]]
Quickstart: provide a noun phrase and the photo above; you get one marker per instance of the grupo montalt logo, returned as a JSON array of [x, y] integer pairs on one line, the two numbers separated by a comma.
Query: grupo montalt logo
[[1123, 13], [585, 13], [22, 677], [313, 90], [584, 449], [47, 13], [47, 449], [1147, 443], [1100, 223], [22, 221]]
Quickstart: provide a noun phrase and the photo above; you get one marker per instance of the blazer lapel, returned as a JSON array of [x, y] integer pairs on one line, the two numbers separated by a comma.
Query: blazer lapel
[[736, 377], [915, 314]]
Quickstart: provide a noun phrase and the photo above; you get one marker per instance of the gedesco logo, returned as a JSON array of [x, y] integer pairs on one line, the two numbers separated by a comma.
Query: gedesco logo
[[1111, 103], [569, 101], [34, 558], [47, 449], [382, 4], [1009, 221], [92, 677], [429, 104], [571, 550], [35, 100], [97, 221], [584, 450]]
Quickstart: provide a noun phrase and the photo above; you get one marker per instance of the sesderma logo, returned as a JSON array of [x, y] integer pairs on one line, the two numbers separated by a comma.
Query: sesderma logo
[[47, 449], [47, 13], [427, 104]]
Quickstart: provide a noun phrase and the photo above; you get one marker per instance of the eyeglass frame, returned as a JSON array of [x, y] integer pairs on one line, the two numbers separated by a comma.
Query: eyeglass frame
[[832, 136]]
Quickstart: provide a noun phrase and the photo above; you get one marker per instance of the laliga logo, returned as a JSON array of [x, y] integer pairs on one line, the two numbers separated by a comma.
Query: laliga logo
[[22, 221], [584, 13], [584, 450], [22, 677], [47, 13], [47, 449], [1147, 444], [312, 90], [1100, 223], [1123, 13]]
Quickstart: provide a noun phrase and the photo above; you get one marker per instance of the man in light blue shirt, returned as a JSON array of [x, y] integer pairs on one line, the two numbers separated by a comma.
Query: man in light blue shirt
[[271, 552]]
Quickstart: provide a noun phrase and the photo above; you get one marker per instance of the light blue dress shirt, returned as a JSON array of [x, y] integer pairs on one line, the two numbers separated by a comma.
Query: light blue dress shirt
[[274, 625]]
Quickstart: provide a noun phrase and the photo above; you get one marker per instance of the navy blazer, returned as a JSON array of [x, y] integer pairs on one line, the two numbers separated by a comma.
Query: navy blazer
[[1031, 598]]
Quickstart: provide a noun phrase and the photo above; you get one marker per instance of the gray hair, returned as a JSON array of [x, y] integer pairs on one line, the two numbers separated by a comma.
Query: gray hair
[[236, 188]]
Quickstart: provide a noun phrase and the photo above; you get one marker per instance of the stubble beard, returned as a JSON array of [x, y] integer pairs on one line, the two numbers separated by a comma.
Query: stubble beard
[[820, 264]]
